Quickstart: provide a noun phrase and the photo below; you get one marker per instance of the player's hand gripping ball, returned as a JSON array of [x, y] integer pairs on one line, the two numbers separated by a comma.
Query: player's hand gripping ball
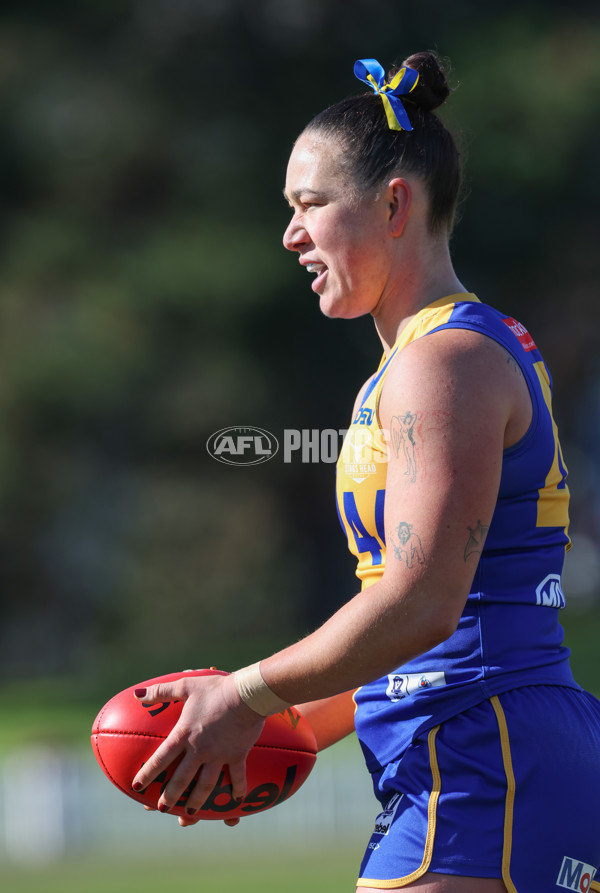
[[126, 733]]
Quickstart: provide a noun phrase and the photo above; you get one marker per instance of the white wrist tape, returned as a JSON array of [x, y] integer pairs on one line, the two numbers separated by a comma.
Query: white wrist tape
[[255, 693]]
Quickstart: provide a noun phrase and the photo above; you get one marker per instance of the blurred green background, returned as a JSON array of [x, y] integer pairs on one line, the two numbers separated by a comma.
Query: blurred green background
[[146, 302]]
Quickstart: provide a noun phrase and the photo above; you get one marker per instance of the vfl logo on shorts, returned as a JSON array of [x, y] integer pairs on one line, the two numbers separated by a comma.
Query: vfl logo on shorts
[[384, 820], [402, 685], [575, 875]]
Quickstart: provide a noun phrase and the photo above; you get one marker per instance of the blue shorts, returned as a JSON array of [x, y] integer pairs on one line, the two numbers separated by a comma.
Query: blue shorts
[[508, 789]]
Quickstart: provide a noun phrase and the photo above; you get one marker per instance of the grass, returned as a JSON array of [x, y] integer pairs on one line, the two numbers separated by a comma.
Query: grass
[[157, 873]]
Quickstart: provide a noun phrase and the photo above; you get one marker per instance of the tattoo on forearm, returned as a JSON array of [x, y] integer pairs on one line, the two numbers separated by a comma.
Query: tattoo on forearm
[[476, 539], [403, 441], [407, 545]]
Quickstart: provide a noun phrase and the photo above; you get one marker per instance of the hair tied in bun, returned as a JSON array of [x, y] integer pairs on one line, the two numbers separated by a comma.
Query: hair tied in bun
[[371, 72]]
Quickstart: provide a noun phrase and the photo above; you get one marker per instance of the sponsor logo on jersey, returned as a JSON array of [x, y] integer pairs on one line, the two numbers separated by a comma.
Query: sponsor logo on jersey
[[575, 875], [361, 452], [357, 452], [384, 820], [402, 685], [242, 446], [364, 416], [527, 342], [549, 593]]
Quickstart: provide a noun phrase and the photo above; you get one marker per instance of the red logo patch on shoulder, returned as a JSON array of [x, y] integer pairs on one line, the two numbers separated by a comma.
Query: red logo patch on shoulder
[[527, 342]]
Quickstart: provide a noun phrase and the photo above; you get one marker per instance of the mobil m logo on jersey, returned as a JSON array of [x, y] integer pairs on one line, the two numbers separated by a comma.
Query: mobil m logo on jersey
[[549, 592], [575, 875]]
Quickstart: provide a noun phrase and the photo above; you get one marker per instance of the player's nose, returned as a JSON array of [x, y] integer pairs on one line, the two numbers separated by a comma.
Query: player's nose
[[295, 236]]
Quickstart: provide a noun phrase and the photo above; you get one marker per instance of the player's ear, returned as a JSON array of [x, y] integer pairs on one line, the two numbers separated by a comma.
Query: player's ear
[[400, 199]]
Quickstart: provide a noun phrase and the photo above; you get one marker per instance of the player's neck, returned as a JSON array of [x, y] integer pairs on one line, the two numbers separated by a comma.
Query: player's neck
[[432, 277]]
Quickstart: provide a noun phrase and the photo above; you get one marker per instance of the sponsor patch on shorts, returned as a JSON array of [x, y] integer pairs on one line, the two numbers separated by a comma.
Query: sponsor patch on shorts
[[575, 875], [402, 685], [384, 820]]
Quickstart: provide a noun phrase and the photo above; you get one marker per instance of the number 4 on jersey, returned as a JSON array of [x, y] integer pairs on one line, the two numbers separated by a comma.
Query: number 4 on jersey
[[365, 541]]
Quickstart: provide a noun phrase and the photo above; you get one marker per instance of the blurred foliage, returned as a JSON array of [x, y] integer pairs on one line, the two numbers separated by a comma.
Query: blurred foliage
[[146, 302]]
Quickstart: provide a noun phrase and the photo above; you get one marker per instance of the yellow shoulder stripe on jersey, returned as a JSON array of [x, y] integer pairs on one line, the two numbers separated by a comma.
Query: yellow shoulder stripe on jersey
[[553, 502], [435, 314]]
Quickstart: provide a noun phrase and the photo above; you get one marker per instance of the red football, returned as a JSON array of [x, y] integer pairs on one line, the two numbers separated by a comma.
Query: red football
[[126, 733]]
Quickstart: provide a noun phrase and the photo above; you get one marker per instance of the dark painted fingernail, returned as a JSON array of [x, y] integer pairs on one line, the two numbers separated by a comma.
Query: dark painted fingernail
[[191, 811], [239, 799], [140, 692], [163, 807], [137, 786]]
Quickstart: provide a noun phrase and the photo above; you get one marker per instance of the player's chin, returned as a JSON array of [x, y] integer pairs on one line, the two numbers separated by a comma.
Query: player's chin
[[335, 305], [338, 308]]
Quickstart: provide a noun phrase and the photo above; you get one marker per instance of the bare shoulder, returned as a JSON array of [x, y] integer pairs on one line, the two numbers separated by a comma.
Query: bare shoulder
[[463, 374], [455, 351]]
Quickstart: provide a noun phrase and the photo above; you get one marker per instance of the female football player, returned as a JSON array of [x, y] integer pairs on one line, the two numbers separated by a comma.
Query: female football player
[[451, 489]]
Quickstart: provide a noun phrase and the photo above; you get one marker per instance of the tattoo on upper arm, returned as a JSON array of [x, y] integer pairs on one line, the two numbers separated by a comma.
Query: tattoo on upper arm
[[476, 539], [403, 441], [407, 545], [510, 360]]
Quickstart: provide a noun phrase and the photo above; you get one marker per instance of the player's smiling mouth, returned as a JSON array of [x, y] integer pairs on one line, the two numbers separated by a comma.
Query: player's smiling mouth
[[321, 270]]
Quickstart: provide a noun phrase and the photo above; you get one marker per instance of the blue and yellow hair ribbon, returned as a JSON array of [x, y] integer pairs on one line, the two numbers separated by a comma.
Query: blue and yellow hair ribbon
[[370, 72]]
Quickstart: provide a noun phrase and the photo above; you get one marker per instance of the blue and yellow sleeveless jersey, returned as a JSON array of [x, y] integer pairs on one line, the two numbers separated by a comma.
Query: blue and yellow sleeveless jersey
[[509, 634]]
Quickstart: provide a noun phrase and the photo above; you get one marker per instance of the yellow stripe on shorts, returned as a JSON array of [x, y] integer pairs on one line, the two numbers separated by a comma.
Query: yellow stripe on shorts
[[436, 787], [510, 793]]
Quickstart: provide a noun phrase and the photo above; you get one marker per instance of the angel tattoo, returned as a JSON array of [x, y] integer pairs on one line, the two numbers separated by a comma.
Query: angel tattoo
[[401, 434]]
